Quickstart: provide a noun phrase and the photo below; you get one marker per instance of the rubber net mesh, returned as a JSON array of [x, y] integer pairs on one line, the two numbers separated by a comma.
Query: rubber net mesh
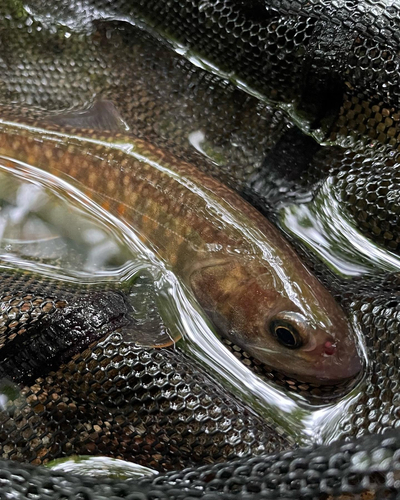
[[333, 67]]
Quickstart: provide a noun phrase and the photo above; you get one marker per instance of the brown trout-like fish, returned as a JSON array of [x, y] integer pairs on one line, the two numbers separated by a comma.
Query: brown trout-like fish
[[243, 273]]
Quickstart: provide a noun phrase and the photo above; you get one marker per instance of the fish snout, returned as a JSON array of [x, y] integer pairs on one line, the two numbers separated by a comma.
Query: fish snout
[[337, 361]]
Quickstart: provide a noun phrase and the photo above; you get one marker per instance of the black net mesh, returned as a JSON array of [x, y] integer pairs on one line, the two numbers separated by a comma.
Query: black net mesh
[[331, 70], [114, 397], [320, 55], [363, 469]]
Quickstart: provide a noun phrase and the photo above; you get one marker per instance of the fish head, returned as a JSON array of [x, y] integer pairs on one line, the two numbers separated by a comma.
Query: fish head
[[297, 329], [325, 353]]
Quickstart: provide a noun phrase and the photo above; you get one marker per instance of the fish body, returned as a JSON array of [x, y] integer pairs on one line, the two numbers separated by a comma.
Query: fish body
[[241, 270]]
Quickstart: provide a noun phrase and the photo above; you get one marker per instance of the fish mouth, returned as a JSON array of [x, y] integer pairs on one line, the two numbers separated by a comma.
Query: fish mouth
[[311, 388], [336, 369], [341, 361], [320, 366]]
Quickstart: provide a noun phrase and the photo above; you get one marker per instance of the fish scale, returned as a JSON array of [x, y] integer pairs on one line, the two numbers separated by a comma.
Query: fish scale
[[142, 183], [241, 270]]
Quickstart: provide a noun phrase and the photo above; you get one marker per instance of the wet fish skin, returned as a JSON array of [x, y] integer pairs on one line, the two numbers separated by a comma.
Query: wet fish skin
[[240, 268], [386, 384]]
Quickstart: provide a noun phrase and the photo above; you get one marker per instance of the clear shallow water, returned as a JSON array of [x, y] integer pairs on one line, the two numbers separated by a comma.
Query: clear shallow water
[[101, 467], [326, 230], [49, 226], [41, 226]]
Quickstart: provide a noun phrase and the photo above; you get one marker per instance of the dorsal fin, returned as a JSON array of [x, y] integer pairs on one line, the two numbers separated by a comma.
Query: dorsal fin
[[102, 115]]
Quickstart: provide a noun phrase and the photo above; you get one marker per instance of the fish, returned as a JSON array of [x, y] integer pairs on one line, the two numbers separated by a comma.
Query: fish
[[358, 468], [241, 270]]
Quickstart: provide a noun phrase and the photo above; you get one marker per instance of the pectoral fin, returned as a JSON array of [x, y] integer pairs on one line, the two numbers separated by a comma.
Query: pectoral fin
[[148, 327]]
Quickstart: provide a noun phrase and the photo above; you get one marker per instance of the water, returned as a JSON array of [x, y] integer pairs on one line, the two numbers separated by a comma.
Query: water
[[101, 467], [328, 231], [42, 225], [50, 227]]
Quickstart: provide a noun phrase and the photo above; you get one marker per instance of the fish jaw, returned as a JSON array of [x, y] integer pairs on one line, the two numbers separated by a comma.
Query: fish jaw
[[339, 361], [344, 362]]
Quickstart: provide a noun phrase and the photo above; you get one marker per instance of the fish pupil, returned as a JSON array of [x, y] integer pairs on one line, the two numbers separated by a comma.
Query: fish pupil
[[286, 335]]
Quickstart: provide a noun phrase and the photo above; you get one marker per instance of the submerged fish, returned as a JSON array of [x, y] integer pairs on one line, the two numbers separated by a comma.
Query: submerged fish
[[242, 271]]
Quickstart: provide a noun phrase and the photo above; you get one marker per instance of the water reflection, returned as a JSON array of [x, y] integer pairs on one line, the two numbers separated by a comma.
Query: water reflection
[[50, 227], [47, 225], [101, 467], [325, 425], [64, 215], [328, 232], [41, 225]]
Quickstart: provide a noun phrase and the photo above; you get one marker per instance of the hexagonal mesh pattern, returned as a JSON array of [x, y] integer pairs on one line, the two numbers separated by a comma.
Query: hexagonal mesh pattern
[[369, 189], [336, 65], [356, 470], [114, 398], [150, 406], [320, 54], [375, 303], [117, 61], [44, 323], [154, 406]]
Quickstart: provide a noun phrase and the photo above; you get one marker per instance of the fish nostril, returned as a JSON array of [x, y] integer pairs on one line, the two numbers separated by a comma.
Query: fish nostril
[[329, 348]]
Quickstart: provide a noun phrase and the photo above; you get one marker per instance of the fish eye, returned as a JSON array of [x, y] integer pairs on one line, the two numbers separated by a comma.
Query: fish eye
[[286, 334]]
